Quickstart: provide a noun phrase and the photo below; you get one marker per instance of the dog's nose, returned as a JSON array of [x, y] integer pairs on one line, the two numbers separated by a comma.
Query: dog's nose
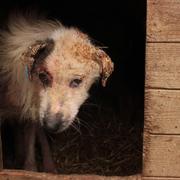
[[52, 127], [55, 125]]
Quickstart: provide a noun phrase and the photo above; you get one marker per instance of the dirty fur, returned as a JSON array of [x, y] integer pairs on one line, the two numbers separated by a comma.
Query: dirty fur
[[20, 92], [73, 55], [46, 70]]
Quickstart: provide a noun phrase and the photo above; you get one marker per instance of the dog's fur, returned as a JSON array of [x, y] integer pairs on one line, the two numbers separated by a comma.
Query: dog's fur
[[46, 70]]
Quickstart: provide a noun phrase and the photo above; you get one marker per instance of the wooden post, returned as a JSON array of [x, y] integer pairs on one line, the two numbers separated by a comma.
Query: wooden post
[[1, 157], [162, 91]]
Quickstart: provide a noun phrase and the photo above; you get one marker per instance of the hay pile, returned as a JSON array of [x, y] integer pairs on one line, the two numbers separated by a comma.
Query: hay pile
[[100, 142]]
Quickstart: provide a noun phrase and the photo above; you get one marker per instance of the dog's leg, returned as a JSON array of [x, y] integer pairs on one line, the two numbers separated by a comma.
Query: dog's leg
[[19, 148], [30, 137], [48, 163]]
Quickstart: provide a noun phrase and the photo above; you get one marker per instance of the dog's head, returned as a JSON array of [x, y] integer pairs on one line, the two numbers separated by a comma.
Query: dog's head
[[63, 68]]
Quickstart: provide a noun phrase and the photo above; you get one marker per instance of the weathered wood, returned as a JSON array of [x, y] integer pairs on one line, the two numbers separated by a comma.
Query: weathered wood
[[162, 156], [162, 111], [163, 20], [159, 178], [27, 175], [163, 65]]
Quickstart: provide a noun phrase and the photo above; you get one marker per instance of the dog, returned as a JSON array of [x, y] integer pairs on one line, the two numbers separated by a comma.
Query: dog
[[46, 71]]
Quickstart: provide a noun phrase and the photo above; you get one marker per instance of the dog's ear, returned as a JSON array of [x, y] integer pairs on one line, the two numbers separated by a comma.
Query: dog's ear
[[106, 65], [36, 54]]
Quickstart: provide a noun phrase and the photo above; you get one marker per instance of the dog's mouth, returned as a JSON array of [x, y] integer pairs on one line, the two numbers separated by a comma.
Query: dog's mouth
[[57, 125]]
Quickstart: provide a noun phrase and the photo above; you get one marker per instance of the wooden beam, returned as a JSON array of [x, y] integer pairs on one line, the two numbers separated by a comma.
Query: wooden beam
[[163, 65], [27, 175], [162, 111], [163, 20], [159, 178]]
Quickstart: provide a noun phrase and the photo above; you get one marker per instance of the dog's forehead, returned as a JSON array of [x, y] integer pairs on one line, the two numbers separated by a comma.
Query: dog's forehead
[[82, 51], [75, 43], [68, 64], [72, 54]]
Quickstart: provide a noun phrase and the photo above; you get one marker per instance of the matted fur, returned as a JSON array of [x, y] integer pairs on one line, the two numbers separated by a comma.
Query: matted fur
[[73, 51], [14, 42]]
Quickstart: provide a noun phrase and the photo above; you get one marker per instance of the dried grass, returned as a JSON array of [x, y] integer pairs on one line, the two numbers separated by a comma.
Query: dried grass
[[100, 142]]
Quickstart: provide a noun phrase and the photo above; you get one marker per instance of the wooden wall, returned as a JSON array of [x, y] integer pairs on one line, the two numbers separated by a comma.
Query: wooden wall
[[162, 91]]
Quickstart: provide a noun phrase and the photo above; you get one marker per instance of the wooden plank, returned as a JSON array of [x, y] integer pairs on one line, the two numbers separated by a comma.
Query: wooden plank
[[162, 111], [163, 20], [159, 178], [163, 65], [162, 156], [27, 175]]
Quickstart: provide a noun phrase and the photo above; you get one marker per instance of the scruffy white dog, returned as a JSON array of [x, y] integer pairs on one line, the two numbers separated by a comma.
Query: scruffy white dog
[[46, 70]]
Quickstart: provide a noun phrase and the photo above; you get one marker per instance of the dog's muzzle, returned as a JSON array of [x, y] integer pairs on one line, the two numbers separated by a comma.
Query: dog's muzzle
[[55, 124]]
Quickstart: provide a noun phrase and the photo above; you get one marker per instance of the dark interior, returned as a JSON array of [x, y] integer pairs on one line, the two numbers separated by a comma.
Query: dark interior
[[109, 141]]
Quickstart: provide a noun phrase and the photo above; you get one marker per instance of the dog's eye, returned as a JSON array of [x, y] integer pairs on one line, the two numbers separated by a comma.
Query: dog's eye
[[45, 78], [75, 83]]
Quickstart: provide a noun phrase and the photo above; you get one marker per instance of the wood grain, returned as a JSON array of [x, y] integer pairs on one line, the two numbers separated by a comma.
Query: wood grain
[[159, 178], [162, 111], [163, 65], [163, 20], [162, 156], [27, 175]]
